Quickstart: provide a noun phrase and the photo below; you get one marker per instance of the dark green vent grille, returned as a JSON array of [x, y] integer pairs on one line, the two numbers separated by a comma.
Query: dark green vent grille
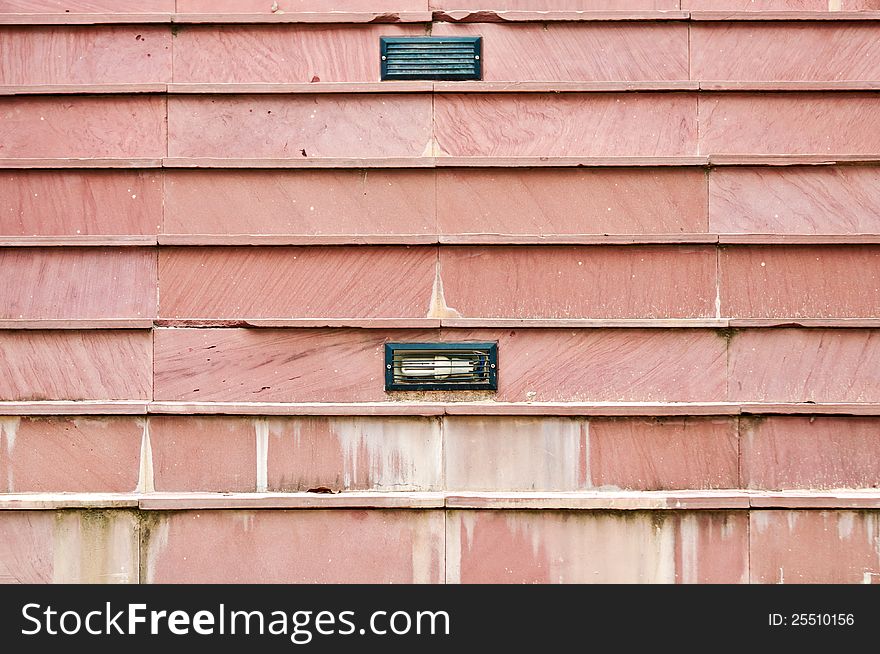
[[431, 57]]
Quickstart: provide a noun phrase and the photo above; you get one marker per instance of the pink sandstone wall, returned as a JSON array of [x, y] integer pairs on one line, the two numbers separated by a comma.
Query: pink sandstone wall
[[213, 215]]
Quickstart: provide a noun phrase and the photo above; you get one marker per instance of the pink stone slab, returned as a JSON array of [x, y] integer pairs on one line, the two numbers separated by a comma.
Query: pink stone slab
[[580, 282], [549, 202], [282, 54], [203, 454], [798, 200], [130, 54], [566, 125], [790, 452], [784, 52], [497, 453], [629, 51], [272, 365], [712, 547], [804, 365], [63, 454], [352, 453], [595, 547], [302, 282], [74, 547], [343, 365], [79, 203], [77, 283], [770, 281], [76, 365], [614, 365], [307, 202], [351, 546], [283, 127], [790, 124], [82, 127], [663, 454], [797, 547]]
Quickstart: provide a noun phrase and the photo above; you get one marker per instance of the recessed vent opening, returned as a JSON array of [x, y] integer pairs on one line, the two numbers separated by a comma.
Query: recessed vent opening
[[431, 57], [441, 366]]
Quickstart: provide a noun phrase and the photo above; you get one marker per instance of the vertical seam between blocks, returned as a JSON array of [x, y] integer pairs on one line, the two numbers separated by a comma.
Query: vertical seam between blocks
[[739, 449], [717, 281], [749, 545], [436, 172]]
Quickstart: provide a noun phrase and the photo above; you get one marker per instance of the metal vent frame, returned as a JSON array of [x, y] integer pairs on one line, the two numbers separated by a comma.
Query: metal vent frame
[[488, 349], [445, 67]]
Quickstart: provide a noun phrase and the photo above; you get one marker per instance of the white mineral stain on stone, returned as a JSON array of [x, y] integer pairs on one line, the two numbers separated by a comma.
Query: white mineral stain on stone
[[8, 432], [145, 471], [261, 427], [845, 522], [95, 547], [689, 534], [438, 307], [400, 453], [157, 543], [425, 541]]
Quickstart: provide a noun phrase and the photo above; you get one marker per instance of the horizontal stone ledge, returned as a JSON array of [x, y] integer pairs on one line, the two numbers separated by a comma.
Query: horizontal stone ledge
[[574, 239], [54, 501], [809, 408], [306, 17], [601, 500], [73, 407], [360, 323], [78, 240], [644, 409], [522, 16], [435, 323], [99, 240], [450, 162], [298, 239], [782, 15], [799, 85], [324, 17], [77, 18], [798, 239], [321, 88], [391, 408], [684, 500], [64, 323], [551, 86], [834, 323], [587, 323], [667, 500], [66, 162], [303, 162], [85, 89], [427, 16], [344, 500], [829, 159], [298, 409], [304, 87], [562, 162]]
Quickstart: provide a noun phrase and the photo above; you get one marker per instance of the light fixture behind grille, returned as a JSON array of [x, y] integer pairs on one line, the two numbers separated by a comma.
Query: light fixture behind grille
[[441, 366]]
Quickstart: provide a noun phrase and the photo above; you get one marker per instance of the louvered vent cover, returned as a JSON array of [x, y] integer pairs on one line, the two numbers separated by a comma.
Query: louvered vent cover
[[431, 57], [441, 366]]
